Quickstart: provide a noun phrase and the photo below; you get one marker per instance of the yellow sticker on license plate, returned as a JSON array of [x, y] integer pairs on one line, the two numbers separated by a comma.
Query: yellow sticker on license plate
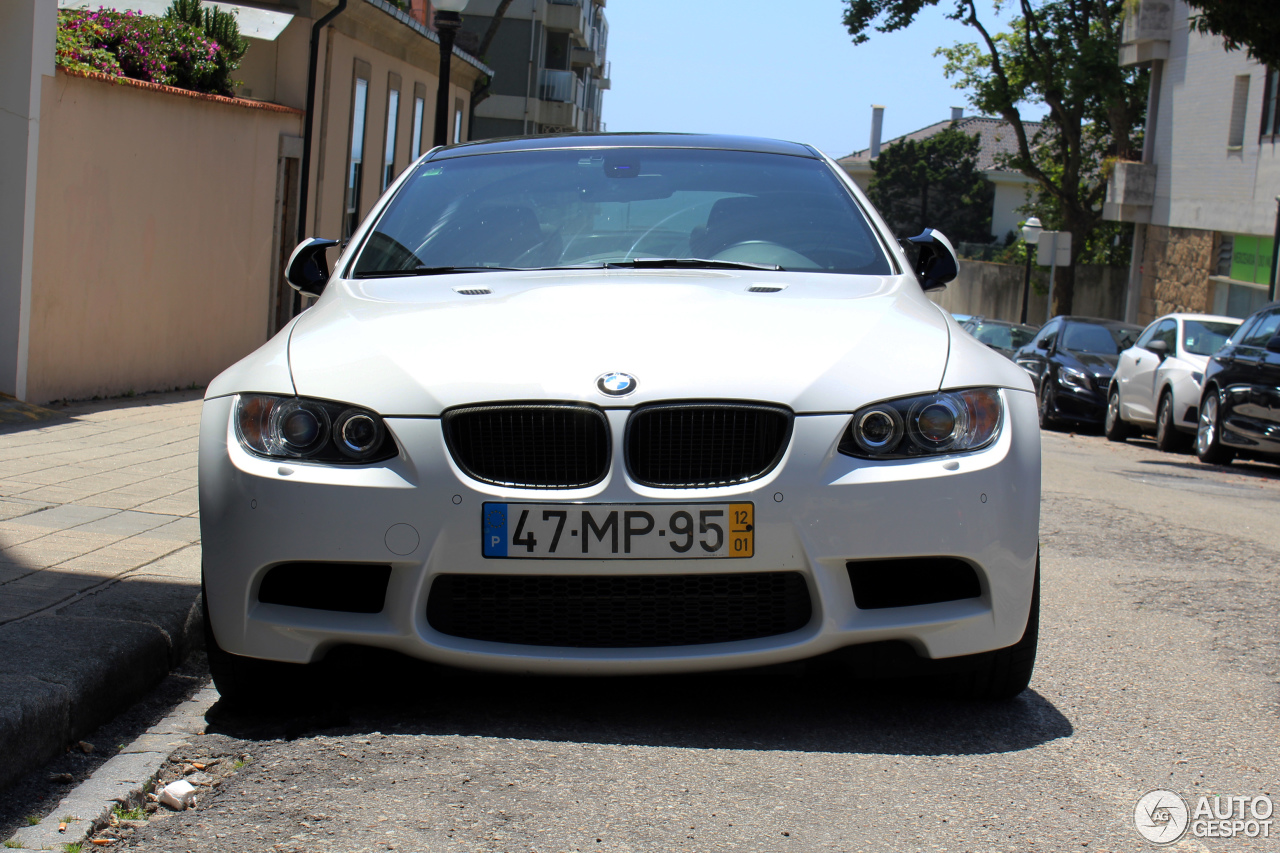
[[742, 530]]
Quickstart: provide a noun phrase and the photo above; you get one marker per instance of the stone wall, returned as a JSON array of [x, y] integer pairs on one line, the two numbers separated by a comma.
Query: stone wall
[[1176, 265], [995, 291]]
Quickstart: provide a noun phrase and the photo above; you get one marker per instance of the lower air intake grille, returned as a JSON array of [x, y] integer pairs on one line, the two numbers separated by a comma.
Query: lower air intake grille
[[533, 446], [910, 581], [629, 611], [340, 587], [691, 445]]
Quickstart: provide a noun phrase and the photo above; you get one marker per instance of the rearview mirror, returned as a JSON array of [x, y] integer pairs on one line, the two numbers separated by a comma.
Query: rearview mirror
[[937, 263], [308, 268], [1160, 348]]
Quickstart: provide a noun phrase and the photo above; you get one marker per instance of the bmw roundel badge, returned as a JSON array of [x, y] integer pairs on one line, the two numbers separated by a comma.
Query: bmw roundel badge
[[616, 384]]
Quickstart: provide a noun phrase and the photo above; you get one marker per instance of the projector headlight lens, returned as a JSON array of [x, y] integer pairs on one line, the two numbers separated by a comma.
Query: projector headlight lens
[[945, 422]]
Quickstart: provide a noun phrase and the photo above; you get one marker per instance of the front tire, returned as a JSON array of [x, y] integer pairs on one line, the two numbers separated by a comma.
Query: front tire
[[1115, 427], [1209, 447], [243, 681], [1168, 439], [1004, 673], [1048, 420]]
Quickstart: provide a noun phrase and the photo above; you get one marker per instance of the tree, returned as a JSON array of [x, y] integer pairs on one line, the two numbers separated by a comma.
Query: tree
[[934, 183], [1241, 23], [1064, 54]]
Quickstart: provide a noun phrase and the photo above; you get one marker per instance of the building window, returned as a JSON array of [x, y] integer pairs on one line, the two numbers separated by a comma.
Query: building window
[[389, 145], [1243, 274], [459, 107], [1270, 113], [1239, 106], [419, 113], [355, 163]]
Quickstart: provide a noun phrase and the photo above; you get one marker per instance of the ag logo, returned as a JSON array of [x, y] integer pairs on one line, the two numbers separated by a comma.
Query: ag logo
[[616, 384], [1161, 817]]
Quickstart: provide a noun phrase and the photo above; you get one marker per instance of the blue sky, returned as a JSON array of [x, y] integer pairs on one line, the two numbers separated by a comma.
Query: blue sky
[[784, 69]]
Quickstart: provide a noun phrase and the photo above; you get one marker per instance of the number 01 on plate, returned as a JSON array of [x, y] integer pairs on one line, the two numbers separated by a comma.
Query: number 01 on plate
[[618, 531]]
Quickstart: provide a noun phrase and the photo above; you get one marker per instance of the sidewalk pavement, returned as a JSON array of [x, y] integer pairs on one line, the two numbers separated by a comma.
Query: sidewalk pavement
[[99, 565]]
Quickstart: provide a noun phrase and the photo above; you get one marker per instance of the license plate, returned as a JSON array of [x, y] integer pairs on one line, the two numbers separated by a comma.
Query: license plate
[[618, 531]]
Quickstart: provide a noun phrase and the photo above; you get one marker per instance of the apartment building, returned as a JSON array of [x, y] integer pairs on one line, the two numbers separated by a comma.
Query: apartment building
[[550, 66], [1204, 194]]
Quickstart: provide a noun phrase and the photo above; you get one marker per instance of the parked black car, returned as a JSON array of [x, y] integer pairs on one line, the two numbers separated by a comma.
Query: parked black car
[[1001, 335], [1240, 401], [1071, 360]]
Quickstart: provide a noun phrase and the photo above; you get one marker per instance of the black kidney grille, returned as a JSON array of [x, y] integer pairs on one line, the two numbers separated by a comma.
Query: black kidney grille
[[687, 445], [536, 446], [618, 611]]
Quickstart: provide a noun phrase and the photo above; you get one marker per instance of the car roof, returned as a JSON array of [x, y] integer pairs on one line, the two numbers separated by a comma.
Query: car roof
[[994, 322], [1098, 321], [570, 141], [1184, 315]]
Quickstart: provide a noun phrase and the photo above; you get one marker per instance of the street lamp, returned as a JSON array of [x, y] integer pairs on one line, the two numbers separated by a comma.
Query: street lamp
[[1031, 236], [448, 20]]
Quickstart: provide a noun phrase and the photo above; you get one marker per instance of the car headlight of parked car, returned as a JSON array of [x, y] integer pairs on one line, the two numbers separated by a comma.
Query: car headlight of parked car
[[945, 422], [314, 430], [1077, 380]]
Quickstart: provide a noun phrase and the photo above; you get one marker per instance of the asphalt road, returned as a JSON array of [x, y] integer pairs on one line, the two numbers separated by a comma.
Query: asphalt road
[[1158, 669]]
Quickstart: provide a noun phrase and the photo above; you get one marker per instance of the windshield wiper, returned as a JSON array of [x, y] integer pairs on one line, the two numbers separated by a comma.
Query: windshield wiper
[[426, 271], [690, 263]]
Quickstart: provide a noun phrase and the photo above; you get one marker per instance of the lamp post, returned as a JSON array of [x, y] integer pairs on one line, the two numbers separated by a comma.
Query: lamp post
[[448, 20], [1031, 236]]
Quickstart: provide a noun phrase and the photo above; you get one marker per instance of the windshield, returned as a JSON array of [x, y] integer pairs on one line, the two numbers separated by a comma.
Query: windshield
[[1002, 336], [554, 208], [1093, 338], [1201, 338]]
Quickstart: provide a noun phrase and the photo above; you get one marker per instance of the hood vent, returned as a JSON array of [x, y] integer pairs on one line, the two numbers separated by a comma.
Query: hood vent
[[766, 288], [473, 291]]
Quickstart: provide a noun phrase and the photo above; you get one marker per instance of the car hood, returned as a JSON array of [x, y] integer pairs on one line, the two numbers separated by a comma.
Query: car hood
[[1103, 365], [417, 347]]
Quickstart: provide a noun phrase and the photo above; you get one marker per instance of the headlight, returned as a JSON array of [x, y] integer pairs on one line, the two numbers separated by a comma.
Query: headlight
[[1072, 378], [318, 430], [946, 422]]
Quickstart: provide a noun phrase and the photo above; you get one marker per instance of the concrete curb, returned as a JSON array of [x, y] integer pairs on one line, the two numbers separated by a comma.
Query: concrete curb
[[67, 671], [122, 781]]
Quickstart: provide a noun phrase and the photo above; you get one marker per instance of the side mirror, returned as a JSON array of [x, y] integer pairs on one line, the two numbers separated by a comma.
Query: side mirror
[[1273, 345], [1160, 348], [308, 268], [1043, 344], [937, 263]]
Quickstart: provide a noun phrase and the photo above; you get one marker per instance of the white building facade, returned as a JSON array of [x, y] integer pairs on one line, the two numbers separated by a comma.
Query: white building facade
[[1204, 194]]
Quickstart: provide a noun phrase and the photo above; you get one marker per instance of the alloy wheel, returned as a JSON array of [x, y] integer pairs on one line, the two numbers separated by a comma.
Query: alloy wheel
[[1207, 425]]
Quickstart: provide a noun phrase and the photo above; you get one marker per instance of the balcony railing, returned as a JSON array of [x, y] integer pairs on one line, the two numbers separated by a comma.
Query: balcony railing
[[560, 86]]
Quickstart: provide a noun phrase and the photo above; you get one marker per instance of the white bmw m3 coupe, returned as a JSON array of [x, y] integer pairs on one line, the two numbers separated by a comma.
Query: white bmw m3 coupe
[[614, 404]]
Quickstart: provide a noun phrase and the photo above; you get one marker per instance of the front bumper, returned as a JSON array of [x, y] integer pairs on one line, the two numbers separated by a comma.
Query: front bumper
[[815, 512]]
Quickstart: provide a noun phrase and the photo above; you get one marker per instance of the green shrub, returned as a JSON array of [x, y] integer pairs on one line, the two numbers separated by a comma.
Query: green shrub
[[143, 47]]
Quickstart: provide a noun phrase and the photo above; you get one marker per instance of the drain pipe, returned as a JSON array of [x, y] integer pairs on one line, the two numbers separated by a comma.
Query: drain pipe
[[304, 180], [308, 120]]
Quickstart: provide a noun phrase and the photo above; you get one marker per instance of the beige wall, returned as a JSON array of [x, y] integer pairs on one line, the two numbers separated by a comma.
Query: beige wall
[[995, 291], [153, 237]]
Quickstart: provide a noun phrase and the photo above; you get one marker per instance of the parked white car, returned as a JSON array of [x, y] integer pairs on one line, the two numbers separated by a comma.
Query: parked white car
[[622, 404], [1156, 386]]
